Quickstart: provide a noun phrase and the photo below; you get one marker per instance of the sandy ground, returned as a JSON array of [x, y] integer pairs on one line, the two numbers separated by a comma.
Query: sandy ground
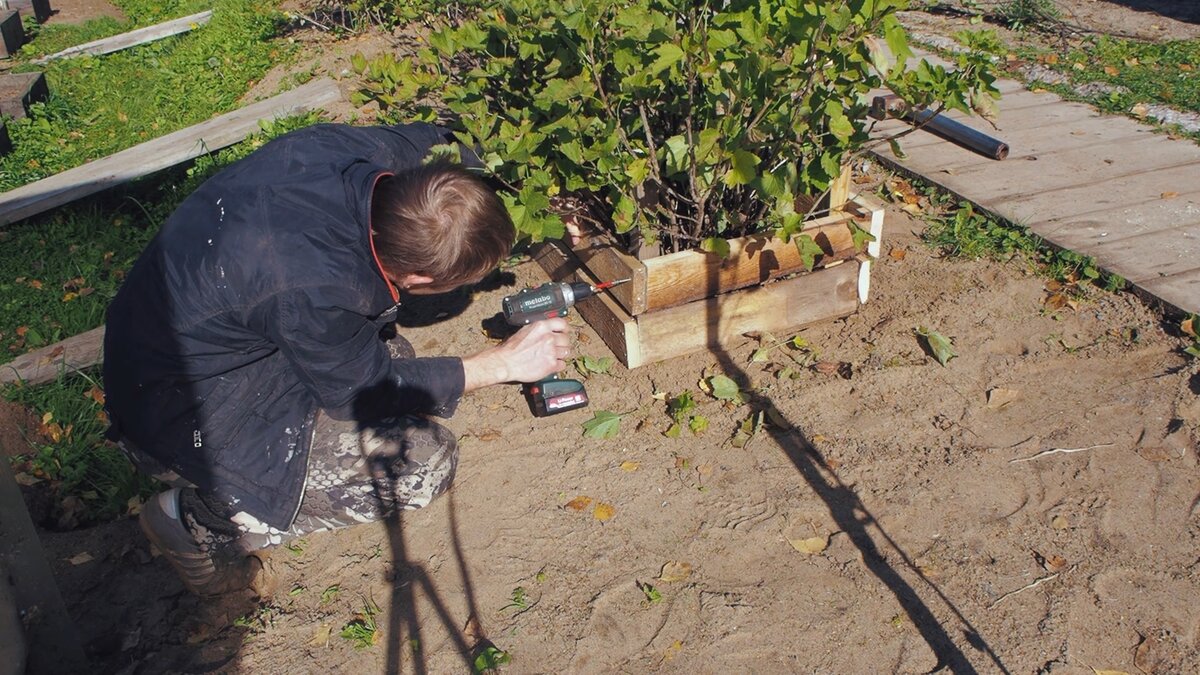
[[891, 521]]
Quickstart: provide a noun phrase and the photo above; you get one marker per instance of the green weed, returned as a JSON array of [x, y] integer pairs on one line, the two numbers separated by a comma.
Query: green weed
[[966, 233], [362, 631], [519, 600], [1028, 14]]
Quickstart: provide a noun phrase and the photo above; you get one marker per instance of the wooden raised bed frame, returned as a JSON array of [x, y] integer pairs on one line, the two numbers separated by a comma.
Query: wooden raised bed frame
[[689, 301]]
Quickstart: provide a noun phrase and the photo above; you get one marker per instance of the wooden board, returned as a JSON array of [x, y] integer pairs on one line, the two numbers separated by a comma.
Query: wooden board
[[45, 364], [683, 277], [712, 323], [132, 38], [160, 153], [716, 323], [607, 262]]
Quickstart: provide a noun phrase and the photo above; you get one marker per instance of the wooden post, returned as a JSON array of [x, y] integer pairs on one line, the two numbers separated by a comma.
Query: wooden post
[[51, 638], [839, 190], [12, 33], [20, 90]]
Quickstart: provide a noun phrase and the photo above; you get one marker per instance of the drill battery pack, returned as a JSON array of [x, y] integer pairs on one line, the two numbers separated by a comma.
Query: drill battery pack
[[552, 396]]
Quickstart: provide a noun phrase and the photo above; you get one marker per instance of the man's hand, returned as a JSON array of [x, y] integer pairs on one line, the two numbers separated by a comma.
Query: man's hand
[[534, 352]]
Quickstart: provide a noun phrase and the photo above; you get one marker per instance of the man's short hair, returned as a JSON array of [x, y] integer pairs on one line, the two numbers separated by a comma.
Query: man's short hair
[[441, 221]]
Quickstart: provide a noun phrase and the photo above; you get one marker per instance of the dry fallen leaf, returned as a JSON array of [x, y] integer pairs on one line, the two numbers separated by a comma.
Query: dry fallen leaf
[[473, 631], [1109, 672], [675, 571], [1188, 326], [579, 503], [321, 635], [1060, 523], [673, 651], [1140, 110], [898, 253], [488, 435], [629, 466], [811, 545], [96, 394], [603, 511], [1170, 194], [80, 558], [999, 397], [1111, 71], [1054, 563]]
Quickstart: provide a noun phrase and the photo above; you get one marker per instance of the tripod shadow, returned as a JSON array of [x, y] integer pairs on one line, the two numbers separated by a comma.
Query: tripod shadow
[[411, 581], [853, 518]]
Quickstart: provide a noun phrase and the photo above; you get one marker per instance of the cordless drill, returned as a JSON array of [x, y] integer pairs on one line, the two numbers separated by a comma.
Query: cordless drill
[[551, 395]]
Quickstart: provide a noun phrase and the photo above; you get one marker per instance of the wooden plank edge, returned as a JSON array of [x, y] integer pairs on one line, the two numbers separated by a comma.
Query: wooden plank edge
[[68, 356], [782, 306], [671, 288], [133, 38], [232, 127], [604, 258], [611, 322]]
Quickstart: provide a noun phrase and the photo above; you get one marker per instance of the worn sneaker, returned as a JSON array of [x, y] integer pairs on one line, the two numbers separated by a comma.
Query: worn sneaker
[[214, 571]]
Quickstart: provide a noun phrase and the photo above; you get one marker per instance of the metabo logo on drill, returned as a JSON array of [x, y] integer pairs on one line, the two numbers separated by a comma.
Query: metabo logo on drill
[[538, 301]]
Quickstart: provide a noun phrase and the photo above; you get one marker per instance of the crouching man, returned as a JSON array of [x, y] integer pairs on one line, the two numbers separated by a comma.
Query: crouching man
[[251, 356]]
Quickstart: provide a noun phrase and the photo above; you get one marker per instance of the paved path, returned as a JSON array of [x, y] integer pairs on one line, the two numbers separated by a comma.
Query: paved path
[[1101, 185]]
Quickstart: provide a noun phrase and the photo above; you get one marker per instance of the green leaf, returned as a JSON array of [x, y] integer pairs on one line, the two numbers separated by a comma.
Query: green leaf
[[491, 658], [839, 125], [676, 154], [604, 424], [638, 170], [809, 251], [698, 424], [896, 149], [742, 168], [760, 355], [897, 41], [668, 54], [359, 63], [724, 388], [716, 245], [859, 236], [938, 344], [673, 431], [679, 406]]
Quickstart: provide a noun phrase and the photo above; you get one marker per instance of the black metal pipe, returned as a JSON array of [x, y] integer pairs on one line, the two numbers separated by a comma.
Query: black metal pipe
[[959, 133]]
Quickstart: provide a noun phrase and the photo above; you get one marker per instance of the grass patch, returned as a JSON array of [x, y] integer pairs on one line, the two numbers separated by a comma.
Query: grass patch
[[48, 39], [957, 230], [69, 454], [101, 105], [1144, 72]]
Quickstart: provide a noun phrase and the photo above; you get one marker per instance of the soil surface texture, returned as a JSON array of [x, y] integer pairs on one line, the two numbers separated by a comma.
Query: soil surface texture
[[1033, 506]]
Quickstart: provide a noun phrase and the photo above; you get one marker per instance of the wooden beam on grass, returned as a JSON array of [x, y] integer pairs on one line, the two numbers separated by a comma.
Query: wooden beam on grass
[[133, 38], [43, 365], [160, 153]]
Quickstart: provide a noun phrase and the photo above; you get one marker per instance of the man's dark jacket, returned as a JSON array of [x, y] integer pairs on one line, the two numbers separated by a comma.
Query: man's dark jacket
[[260, 301]]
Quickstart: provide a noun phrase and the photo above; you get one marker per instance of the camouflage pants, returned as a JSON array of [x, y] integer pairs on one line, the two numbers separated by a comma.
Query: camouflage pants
[[357, 473], [360, 476]]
